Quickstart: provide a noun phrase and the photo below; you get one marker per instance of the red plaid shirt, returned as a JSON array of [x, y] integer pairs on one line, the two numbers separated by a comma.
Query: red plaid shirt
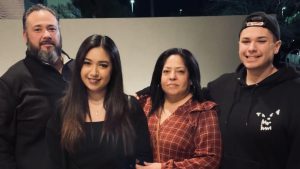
[[190, 138]]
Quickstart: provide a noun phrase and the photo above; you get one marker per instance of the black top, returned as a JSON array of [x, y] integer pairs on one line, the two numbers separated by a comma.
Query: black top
[[28, 93], [91, 153], [259, 123]]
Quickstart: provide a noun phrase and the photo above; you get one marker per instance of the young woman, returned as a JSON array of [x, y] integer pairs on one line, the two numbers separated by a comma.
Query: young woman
[[98, 126], [184, 128]]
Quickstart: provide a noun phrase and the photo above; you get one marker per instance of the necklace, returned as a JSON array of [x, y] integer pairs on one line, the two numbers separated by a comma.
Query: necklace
[[97, 112], [164, 114], [95, 107]]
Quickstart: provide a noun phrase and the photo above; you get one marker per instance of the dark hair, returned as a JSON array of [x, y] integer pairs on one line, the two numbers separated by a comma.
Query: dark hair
[[37, 7], [156, 92], [117, 126]]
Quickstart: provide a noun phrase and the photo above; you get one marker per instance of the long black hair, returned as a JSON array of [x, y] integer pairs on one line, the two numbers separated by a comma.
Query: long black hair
[[117, 127], [156, 92]]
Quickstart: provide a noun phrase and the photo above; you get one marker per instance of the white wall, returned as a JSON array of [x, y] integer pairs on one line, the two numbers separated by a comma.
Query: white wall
[[213, 40], [11, 9]]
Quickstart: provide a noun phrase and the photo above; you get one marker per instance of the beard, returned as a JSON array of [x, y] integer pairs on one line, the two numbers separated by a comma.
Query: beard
[[49, 56]]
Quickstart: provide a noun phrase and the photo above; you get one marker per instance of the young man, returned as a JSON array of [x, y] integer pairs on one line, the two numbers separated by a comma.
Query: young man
[[29, 91], [259, 104]]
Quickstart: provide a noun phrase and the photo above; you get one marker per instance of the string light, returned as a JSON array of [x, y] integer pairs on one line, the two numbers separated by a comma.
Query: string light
[[132, 3]]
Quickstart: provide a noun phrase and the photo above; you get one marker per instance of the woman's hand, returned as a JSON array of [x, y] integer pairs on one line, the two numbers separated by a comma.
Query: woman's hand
[[149, 166]]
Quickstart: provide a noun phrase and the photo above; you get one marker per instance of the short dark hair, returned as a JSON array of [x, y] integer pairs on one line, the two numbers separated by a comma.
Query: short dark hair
[[156, 92], [37, 7]]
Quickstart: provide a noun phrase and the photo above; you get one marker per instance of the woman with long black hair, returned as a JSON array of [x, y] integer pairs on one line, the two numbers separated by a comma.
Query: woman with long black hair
[[97, 125]]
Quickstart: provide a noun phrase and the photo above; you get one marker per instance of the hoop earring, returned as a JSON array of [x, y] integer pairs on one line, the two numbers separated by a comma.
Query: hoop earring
[[192, 87]]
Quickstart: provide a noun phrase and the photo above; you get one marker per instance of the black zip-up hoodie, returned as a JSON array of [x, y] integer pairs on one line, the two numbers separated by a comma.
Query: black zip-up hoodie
[[259, 123], [29, 91]]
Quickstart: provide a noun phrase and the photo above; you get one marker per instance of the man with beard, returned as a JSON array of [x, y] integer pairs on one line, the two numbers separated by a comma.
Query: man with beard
[[29, 92]]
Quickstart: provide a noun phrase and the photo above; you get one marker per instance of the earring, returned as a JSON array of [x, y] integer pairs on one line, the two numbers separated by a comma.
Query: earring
[[192, 87]]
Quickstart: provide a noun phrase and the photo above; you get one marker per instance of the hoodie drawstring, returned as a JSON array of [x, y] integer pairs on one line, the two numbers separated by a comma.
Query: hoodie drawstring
[[236, 97], [250, 105]]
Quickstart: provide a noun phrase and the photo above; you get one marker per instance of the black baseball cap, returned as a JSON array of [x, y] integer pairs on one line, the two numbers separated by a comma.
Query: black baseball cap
[[261, 19]]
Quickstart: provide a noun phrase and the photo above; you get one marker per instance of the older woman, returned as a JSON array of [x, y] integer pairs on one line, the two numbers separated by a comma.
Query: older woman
[[183, 127]]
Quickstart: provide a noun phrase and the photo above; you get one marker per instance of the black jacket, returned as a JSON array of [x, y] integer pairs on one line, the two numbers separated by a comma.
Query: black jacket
[[259, 123], [28, 93]]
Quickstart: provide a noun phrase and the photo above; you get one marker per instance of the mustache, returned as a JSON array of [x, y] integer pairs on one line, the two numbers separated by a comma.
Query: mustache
[[47, 42]]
